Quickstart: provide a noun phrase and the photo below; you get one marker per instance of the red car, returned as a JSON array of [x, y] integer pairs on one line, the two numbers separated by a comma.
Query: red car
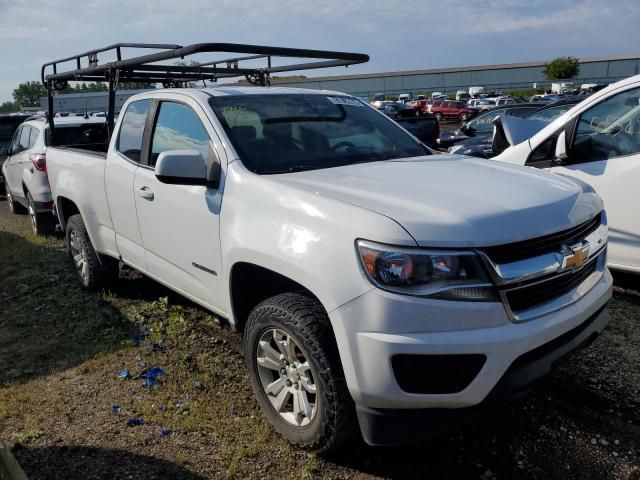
[[420, 106], [451, 109]]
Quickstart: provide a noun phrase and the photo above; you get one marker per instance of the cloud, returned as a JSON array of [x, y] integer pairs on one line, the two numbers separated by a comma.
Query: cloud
[[398, 34]]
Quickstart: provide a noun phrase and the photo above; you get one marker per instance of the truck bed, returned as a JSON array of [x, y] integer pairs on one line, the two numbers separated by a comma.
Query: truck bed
[[79, 174]]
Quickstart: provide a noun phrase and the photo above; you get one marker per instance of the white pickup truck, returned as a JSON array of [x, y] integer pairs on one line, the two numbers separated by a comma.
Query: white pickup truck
[[370, 279]]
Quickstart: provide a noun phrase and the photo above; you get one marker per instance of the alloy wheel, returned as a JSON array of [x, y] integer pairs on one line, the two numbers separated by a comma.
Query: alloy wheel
[[78, 253], [286, 377], [32, 216]]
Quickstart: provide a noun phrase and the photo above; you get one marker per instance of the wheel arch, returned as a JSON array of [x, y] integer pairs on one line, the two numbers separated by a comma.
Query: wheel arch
[[250, 284], [65, 208]]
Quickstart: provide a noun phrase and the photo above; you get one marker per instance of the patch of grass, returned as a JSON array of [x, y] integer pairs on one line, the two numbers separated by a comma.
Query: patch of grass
[[27, 437]]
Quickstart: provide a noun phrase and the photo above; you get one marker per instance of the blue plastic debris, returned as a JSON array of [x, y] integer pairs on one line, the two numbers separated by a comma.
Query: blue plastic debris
[[138, 335], [123, 374], [135, 422], [150, 376], [165, 432], [115, 409]]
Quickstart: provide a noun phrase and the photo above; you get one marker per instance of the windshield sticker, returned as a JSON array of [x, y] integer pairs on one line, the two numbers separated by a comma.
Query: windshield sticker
[[345, 101]]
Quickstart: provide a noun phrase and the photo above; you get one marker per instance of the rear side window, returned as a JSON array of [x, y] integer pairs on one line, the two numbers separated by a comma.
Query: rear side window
[[132, 129], [178, 128], [24, 138], [33, 137]]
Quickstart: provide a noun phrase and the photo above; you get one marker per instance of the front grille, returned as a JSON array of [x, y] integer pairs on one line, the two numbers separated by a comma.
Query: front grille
[[554, 242], [539, 292]]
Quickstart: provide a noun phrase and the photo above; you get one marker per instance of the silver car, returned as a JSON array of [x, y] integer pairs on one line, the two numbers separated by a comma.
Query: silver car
[[25, 170]]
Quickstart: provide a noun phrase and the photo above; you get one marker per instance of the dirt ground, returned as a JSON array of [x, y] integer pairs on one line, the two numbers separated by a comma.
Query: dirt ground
[[64, 409]]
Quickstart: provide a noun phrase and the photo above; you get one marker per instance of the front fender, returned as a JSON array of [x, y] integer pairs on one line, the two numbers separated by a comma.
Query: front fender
[[304, 236]]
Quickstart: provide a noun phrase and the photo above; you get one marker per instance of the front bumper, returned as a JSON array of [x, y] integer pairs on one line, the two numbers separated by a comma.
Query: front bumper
[[373, 328], [393, 426]]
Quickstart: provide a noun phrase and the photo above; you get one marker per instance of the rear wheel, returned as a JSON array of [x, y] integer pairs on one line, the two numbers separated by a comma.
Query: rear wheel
[[93, 272], [41, 223], [438, 116], [296, 373], [14, 207], [464, 117]]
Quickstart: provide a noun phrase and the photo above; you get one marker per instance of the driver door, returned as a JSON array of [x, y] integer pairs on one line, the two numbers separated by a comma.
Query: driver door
[[180, 224], [605, 153]]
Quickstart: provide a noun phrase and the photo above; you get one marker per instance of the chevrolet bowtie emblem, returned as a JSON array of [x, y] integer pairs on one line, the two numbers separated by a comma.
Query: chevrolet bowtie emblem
[[576, 258]]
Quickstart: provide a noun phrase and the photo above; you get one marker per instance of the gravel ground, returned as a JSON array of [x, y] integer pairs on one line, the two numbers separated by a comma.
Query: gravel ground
[[65, 411]]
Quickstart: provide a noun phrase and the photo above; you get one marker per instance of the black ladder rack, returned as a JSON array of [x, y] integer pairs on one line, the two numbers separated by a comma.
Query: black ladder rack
[[146, 67]]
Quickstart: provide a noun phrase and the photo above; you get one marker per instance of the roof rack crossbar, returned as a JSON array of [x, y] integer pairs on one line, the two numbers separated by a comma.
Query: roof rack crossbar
[[174, 51]]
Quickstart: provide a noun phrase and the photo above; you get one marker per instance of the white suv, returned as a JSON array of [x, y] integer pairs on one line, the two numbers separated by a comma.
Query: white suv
[[25, 170]]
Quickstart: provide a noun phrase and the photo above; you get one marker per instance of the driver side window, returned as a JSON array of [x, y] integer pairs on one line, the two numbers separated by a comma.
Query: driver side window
[[609, 129]]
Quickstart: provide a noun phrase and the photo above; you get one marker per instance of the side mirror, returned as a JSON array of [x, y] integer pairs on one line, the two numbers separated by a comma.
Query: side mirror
[[561, 148], [182, 167]]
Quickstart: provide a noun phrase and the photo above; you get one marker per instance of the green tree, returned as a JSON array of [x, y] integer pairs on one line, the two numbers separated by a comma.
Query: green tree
[[8, 107], [28, 94], [135, 86], [561, 68]]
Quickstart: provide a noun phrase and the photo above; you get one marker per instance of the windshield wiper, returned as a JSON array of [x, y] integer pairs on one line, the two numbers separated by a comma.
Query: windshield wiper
[[291, 169]]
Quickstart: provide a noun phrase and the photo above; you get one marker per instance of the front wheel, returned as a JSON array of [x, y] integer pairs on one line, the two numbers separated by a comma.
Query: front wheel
[[296, 373], [92, 272], [41, 223]]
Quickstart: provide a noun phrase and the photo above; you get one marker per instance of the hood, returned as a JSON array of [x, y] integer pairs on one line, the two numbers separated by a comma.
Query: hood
[[456, 201]]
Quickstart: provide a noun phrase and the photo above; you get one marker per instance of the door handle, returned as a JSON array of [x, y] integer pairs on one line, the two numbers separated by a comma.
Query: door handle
[[145, 193]]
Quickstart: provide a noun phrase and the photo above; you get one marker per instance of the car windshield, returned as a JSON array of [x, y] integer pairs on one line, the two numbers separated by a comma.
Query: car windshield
[[483, 123], [278, 133], [550, 114]]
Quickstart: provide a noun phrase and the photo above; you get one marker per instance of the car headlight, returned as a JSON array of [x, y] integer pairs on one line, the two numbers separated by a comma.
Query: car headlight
[[441, 274]]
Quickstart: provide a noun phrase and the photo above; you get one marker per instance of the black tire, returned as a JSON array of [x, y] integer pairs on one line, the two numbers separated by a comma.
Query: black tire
[[438, 116], [305, 320], [464, 117], [14, 207], [95, 272], [41, 223]]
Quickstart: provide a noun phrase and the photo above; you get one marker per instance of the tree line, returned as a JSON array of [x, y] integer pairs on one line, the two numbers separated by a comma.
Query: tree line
[[28, 94]]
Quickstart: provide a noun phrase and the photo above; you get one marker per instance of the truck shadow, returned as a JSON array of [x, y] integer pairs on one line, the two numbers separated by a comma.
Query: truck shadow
[[96, 463], [47, 322]]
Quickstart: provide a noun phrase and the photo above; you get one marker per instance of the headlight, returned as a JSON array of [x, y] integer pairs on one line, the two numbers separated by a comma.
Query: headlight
[[453, 275]]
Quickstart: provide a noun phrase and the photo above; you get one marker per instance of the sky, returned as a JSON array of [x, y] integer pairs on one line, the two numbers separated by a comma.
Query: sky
[[397, 34]]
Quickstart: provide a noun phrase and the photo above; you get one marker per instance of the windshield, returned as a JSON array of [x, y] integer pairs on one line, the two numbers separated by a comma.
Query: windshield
[[484, 122], [550, 114], [292, 132]]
